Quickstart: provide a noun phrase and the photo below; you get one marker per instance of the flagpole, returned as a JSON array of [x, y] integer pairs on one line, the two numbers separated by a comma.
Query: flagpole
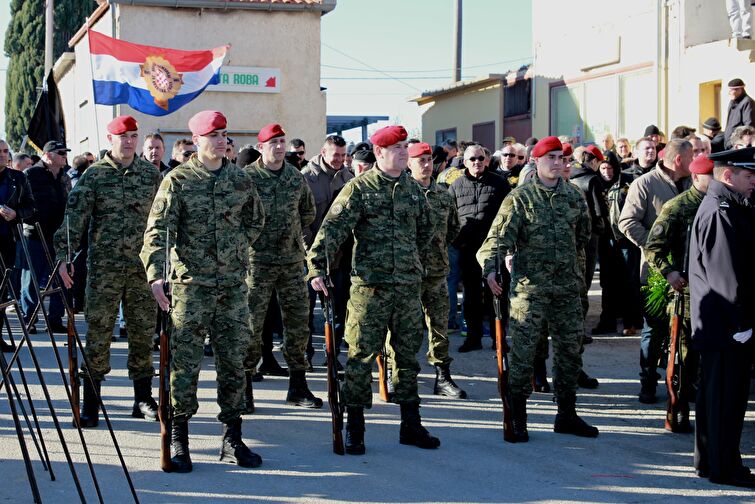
[[94, 104]]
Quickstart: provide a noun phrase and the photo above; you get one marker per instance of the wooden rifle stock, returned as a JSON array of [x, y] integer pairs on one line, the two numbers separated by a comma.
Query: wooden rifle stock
[[674, 363], [334, 395], [502, 357], [382, 376]]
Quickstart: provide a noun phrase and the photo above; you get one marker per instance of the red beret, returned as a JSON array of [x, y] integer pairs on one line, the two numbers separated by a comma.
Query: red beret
[[122, 124], [270, 131], [546, 145], [595, 151], [568, 151], [701, 165], [206, 122], [385, 137], [418, 149]]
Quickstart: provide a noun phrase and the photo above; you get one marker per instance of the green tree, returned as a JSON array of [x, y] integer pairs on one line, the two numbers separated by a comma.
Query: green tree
[[25, 46]]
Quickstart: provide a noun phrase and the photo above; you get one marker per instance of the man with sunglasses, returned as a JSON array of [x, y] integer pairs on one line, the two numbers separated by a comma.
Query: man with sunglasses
[[49, 185], [183, 148], [477, 194], [297, 153]]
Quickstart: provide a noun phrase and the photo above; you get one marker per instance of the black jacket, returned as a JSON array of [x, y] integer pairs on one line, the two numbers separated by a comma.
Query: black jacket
[[477, 201], [591, 185], [50, 195], [19, 198], [721, 271], [741, 113]]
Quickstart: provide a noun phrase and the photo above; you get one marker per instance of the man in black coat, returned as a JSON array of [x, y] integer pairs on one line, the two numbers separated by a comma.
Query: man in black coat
[[722, 292], [741, 109], [478, 194]]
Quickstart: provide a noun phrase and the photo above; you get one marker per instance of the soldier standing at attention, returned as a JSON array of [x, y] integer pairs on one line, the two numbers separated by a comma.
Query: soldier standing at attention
[[387, 215], [113, 198], [664, 249], [545, 223], [276, 262], [435, 301], [212, 212]]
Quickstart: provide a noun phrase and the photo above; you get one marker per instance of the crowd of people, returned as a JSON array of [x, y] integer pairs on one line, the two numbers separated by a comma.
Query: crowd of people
[[391, 230]]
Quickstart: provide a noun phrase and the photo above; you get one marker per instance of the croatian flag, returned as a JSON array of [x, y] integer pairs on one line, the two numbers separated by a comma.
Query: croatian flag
[[152, 80]]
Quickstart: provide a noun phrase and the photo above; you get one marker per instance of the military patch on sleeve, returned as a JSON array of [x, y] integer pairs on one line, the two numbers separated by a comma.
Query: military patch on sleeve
[[658, 230], [498, 220], [415, 197], [336, 209], [73, 199], [159, 206]]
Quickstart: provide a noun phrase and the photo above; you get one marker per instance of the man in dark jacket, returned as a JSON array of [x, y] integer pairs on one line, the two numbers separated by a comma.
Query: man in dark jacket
[[478, 195], [712, 130], [741, 109], [49, 185], [721, 272]]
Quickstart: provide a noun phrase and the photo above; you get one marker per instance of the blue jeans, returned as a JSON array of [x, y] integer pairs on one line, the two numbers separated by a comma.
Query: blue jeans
[[454, 276], [41, 268]]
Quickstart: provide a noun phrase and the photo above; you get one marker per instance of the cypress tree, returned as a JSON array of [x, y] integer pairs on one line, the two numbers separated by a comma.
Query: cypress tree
[[25, 46]]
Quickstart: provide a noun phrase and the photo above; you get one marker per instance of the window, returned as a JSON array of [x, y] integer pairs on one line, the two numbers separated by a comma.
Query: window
[[516, 99], [443, 135]]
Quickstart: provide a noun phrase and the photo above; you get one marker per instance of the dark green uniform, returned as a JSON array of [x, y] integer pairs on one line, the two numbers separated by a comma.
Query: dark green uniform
[[664, 250], [213, 217], [111, 203], [276, 261], [388, 218]]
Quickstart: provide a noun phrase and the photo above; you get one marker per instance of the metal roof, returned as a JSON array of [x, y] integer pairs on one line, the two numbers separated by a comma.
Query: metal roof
[[339, 123]]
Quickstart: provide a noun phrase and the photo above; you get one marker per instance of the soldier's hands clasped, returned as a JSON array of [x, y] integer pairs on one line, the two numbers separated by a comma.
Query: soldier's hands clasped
[[158, 290]]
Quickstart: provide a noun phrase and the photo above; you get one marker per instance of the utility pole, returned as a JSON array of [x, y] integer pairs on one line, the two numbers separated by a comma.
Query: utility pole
[[456, 76], [49, 25]]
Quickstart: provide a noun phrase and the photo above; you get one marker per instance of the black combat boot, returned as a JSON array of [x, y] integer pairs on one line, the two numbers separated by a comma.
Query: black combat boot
[[248, 393], [179, 441], [90, 407], [355, 430], [681, 415], [271, 367], [519, 419], [445, 385], [540, 376], [144, 405], [585, 381], [298, 392], [567, 420], [412, 432], [647, 392], [234, 450]]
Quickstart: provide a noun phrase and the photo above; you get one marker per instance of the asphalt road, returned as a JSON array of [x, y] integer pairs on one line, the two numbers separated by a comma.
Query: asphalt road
[[633, 460]]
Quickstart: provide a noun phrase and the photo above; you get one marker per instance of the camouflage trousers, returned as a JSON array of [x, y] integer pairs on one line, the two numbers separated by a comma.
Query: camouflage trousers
[[541, 352], [531, 317], [223, 314], [287, 280], [435, 305], [104, 292], [373, 310]]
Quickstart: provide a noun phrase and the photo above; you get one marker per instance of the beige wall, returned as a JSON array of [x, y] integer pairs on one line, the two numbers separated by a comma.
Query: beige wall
[[299, 107], [462, 110]]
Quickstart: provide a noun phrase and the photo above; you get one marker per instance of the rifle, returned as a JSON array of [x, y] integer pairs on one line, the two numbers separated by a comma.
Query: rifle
[[73, 353], [164, 409], [502, 357], [382, 361], [674, 361], [334, 389]]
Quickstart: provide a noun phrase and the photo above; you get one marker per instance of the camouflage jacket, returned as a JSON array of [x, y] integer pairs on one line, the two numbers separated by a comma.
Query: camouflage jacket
[[114, 202], [390, 222], [546, 228], [289, 206], [212, 218], [445, 220]]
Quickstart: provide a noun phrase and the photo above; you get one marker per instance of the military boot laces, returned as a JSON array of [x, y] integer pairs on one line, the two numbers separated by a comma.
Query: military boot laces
[[144, 404], [540, 377], [90, 407], [248, 393], [519, 420], [299, 393], [179, 442], [234, 450], [568, 422], [445, 385], [412, 432], [355, 431]]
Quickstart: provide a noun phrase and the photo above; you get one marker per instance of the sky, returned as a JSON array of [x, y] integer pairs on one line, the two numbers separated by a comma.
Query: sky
[[376, 55]]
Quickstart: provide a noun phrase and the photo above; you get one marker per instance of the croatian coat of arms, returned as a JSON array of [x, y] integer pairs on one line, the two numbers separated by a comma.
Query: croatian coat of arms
[[163, 80]]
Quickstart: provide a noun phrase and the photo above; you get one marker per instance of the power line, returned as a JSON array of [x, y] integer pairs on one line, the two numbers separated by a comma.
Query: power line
[[444, 77], [371, 67], [527, 58]]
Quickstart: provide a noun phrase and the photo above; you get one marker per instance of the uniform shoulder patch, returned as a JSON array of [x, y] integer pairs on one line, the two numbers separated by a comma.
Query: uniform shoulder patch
[[336, 209], [657, 230], [158, 207], [73, 199]]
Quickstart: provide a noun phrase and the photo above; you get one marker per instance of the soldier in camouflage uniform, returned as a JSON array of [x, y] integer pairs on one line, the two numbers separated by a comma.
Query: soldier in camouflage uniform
[[212, 211], [545, 222], [664, 249], [113, 198], [276, 263], [434, 293], [387, 214]]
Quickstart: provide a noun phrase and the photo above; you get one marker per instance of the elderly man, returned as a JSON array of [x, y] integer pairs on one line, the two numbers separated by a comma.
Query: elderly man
[[477, 194], [21, 162], [712, 130], [644, 201], [545, 284], [741, 110], [112, 201]]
